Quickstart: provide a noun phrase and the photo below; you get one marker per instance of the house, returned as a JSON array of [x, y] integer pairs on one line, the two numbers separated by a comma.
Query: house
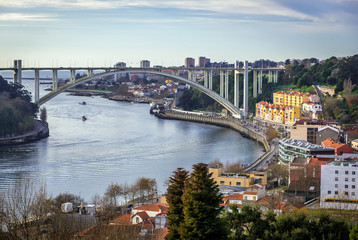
[[139, 217], [295, 207], [124, 219], [232, 199], [350, 133], [151, 209], [239, 180], [326, 132], [272, 202], [147, 212], [339, 148], [354, 144]]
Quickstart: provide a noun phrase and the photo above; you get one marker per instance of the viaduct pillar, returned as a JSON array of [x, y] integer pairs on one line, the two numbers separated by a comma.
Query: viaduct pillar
[[72, 75], [54, 80], [37, 85], [211, 80], [254, 94], [18, 71], [221, 83], [236, 89], [260, 82], [227, 85], [246, 90]]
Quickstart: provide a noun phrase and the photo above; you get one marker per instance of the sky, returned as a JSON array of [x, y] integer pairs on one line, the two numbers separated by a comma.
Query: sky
[[50, 33]]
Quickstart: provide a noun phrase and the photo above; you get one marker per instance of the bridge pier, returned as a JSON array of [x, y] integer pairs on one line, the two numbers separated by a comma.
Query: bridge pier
[[211, 80], [226, 85], [254, 94], [246, 90], [236, 89], [90, 72], [276, 76], [72, 75], [37, 85], [206, 79], [54, 80], [260, 82], [221, 83], [18, 71]]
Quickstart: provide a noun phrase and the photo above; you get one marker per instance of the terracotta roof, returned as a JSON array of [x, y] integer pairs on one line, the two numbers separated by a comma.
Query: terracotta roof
[[331, 143], [250, 193], [142, 215], [266, 201], [156, 207], [124, 219]]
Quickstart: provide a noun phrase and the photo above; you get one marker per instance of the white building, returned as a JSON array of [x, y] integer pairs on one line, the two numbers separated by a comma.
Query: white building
[[339, 185]]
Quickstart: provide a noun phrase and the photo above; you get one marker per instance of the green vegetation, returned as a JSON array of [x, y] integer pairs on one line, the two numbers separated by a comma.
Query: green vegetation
[[16, 110], [199, 206]]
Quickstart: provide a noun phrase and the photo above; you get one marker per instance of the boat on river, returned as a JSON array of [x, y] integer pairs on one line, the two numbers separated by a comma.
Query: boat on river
[[82, 103], [84, 118]]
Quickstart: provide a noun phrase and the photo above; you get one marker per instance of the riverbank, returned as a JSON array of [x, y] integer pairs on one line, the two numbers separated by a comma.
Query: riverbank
[[40, 131], [234, 124]]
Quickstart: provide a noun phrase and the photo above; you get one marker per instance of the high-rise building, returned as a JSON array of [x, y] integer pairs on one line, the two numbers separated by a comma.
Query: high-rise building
[[120, 65], [145, 64], [202, 61], [189, 62]]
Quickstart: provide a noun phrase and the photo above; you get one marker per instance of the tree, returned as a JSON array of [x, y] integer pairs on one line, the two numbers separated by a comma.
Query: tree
[[353, 235], [235, 167], [271, 133], [113, 192], [201, 206], [146, 187], [279, 173], [43, 114], [175, 202]]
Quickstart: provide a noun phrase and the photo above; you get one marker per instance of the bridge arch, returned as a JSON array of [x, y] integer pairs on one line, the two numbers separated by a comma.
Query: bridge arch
[[225, 103]]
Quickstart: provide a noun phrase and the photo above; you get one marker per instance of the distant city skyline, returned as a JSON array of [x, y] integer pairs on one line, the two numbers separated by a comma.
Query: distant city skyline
[[102, 33]]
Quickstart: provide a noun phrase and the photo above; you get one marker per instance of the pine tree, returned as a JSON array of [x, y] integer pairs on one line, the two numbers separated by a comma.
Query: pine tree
[[174, 199], [201, 207]]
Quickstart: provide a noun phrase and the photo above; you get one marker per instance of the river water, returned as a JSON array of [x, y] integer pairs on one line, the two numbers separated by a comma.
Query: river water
[[120, 142]]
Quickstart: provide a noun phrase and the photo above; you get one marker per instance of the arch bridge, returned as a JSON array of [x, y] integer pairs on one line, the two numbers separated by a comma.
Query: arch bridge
[[272, 74]]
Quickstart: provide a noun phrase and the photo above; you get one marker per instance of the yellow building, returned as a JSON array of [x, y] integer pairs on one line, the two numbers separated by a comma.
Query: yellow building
[[238, 179], [291, 98]]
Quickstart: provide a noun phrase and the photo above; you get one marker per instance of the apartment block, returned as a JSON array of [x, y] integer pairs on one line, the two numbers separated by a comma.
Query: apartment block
[[339, 185]]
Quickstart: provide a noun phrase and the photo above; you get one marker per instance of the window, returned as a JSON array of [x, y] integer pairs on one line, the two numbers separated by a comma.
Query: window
[[345, 186], [238, 183], [329, 192], [346, 172], [230, 183], [336, 192], [353, 172], [346, 193], [336, 179], [336, 185], [346, 179], [345, 164], [353, 193], [353, 179], [336, 172], [353, 186], [222, 182]]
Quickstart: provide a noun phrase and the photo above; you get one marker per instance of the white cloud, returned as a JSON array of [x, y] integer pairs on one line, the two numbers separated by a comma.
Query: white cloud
[[25, 17], [257, 7]]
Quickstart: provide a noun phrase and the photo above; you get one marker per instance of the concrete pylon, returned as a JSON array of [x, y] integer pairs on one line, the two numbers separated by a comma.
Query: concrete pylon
[[211, 80], [18, 71], [236, 89], [72, 75], [254, 94], [260, 82], [226, 85], [221, 83], [37, 85], [54, 80], [206, 79], [246, 90]]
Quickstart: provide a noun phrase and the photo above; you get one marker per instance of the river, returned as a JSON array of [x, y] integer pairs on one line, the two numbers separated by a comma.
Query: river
[[120, 142]]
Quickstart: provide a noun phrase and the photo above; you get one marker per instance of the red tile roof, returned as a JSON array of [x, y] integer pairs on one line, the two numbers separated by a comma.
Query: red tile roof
[[124, 219], [156, 207]]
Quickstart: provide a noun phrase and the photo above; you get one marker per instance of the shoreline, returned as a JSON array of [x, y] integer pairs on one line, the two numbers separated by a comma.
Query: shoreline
[[39, 132]]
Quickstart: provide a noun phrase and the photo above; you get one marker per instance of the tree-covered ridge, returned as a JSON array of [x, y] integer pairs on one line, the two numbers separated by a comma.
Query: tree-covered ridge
[[17, 112], [337, 72]]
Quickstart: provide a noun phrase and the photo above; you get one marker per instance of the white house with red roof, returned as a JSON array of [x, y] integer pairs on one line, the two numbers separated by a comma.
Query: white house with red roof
[[144, 212]]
